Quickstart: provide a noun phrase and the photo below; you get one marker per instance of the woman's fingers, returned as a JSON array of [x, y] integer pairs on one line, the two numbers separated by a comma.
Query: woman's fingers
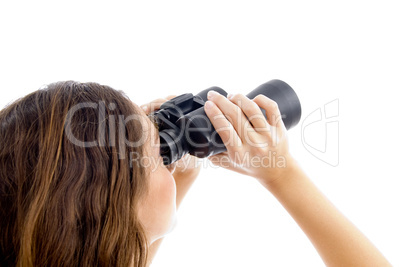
[[274, 117], [156, 104], [252, 111], [234, 114], [222, 126]]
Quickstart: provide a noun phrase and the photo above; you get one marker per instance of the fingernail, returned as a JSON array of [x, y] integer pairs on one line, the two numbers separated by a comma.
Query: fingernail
[[209, 104], [229, 96], [211, 94], [144, 108]]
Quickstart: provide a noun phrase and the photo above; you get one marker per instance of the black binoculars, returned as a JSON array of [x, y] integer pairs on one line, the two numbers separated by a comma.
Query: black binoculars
[[185, 128]]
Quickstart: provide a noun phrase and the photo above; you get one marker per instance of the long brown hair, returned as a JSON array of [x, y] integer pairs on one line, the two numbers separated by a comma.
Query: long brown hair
[[68, 193]]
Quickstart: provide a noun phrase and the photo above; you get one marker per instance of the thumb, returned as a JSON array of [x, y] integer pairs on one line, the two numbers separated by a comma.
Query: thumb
[[223, 160]]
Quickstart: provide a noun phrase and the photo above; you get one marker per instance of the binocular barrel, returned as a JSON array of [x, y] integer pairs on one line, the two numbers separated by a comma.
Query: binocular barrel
[[185, 128]]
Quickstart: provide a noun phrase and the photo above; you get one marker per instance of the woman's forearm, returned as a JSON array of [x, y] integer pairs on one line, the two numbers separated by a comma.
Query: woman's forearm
[[336, 239]]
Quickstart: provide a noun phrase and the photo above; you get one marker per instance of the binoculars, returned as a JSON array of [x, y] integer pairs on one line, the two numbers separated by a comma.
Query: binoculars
[[185, 128]]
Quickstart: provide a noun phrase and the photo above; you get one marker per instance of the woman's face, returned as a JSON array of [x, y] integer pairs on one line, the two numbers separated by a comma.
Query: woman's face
[[157, 210]]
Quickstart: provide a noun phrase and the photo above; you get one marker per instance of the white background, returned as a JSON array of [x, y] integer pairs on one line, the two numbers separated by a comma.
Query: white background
[[347, 51]]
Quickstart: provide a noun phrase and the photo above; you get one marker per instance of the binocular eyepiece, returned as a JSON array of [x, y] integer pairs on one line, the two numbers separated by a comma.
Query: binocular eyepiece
[[185, 128]]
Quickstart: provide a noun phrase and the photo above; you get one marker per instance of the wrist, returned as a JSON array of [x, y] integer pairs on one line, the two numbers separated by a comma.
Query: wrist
[[282, 176]]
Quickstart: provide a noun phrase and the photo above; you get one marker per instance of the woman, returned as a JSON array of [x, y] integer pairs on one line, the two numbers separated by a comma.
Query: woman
[[82, 182]]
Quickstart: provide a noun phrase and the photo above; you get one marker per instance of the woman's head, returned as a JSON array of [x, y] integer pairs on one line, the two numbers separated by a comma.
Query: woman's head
[[74, 186]]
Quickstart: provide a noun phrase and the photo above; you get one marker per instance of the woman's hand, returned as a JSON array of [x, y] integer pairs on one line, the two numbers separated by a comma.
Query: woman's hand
[[256, 146], [336, 239]]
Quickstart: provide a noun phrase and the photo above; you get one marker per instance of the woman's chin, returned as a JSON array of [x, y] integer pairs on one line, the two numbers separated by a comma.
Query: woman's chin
[[170, 227]]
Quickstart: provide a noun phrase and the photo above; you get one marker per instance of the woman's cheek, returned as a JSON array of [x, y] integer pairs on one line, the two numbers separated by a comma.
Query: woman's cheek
[[167, 200], [169, 187], [159, 211]]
